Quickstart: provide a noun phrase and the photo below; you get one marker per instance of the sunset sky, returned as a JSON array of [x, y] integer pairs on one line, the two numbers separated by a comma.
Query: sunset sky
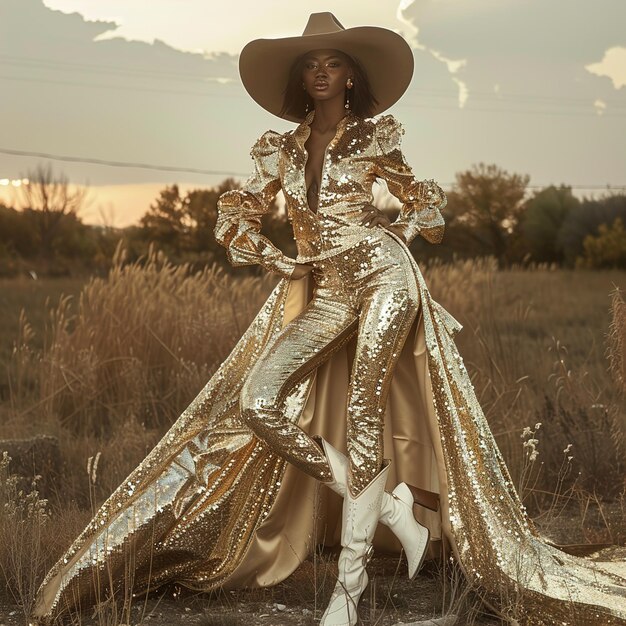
[[535, 87]]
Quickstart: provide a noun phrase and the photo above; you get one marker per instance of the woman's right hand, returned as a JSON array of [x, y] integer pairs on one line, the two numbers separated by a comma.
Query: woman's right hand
[[300, 271]]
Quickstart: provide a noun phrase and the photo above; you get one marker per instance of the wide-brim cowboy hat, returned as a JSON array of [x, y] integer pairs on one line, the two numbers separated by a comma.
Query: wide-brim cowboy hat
[[385, 56]]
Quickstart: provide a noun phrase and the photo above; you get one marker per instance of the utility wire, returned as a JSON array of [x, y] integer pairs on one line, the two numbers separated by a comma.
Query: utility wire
[[92, 68], [401, 104], [168, 168], [177, 92], [503, 99], [147, 166]]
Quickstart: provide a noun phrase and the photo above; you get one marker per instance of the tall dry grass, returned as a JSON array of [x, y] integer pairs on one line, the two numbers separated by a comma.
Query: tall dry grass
[[113, 369], [136, 345], [118, 364], [24, 550], [535, 343]]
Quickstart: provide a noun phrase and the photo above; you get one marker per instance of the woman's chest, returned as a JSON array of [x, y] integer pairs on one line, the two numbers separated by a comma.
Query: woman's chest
[[338, 171]]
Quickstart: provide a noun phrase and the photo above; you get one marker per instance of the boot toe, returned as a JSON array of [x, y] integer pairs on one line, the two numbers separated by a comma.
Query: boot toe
[[418, 552]]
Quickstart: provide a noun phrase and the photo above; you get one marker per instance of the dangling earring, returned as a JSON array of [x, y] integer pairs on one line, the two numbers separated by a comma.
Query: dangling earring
[[349, 84], [306, 106]]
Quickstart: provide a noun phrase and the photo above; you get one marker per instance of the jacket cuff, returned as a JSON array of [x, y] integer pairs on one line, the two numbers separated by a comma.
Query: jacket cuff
[[434, 234], [284, 266], [409, 231]]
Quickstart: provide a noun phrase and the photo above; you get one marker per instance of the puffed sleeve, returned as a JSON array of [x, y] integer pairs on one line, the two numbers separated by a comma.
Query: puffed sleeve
[[422, 200], [239, 212]]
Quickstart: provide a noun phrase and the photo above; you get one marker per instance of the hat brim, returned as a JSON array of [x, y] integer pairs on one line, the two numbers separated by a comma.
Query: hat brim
[[264, 64]]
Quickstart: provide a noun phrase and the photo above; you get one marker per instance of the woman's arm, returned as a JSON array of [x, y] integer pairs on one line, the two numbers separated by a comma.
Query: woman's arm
[[422, 201], [239, 212]]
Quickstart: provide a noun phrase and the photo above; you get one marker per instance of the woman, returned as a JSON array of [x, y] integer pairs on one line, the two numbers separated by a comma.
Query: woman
[[349, 352]]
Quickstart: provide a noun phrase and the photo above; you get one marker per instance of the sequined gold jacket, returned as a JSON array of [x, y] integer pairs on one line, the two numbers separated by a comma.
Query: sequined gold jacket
[[361, 151]]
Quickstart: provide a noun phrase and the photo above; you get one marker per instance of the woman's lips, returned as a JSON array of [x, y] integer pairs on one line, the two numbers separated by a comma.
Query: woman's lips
[[320, 85]]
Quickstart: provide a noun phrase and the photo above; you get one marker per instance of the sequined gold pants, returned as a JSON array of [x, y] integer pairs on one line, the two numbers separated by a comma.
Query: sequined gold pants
[[369, 288]]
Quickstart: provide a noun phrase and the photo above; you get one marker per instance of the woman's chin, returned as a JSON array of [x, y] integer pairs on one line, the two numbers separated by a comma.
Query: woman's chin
[[322, 94]]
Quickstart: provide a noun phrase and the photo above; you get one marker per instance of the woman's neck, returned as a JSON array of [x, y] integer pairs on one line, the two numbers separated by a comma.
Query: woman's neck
[[328, 114]]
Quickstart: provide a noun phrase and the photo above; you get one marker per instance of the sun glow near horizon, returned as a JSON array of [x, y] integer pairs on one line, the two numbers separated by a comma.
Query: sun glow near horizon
[[117, 206]]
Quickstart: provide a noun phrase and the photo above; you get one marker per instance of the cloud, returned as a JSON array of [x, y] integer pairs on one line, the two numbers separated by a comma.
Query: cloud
[[195, 25], [613, 66], [72, 93], [533, 47], [407, 13]]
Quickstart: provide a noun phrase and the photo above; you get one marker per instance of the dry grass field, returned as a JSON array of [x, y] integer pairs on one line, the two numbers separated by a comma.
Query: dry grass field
[[106, 367]]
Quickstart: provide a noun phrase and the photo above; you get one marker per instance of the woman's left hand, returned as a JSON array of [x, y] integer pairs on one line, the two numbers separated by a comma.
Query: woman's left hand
[[374, 217]]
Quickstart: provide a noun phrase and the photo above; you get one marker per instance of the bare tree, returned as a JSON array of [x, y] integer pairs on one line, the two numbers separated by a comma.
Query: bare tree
[[51, 200]]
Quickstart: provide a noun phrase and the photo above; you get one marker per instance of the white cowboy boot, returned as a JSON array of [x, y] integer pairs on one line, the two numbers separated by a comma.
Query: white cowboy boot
[[359, 519], [397, 514], [396, 511]]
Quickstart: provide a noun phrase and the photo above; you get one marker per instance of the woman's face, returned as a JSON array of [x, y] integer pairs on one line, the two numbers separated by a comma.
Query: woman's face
[[324, 74]]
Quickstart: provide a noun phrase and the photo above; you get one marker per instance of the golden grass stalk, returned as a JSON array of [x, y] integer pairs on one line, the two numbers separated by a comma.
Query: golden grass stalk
[[616, 339]]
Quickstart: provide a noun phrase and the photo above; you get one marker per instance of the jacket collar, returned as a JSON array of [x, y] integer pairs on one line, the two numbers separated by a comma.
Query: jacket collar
[[303, 130]]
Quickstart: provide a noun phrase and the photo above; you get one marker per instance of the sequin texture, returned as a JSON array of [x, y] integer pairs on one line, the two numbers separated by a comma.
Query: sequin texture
[[364, 290], [190, 511], [360, 152]]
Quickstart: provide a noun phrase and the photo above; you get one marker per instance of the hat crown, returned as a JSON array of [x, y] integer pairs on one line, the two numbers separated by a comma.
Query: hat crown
[[322, 23], [384, 55]]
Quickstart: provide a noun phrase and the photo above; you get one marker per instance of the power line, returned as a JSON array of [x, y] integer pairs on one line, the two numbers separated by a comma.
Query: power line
[[442, 93], [168, 168], [402, 104], [92, 68], [471, 109], [505, 100], [176, 92]]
